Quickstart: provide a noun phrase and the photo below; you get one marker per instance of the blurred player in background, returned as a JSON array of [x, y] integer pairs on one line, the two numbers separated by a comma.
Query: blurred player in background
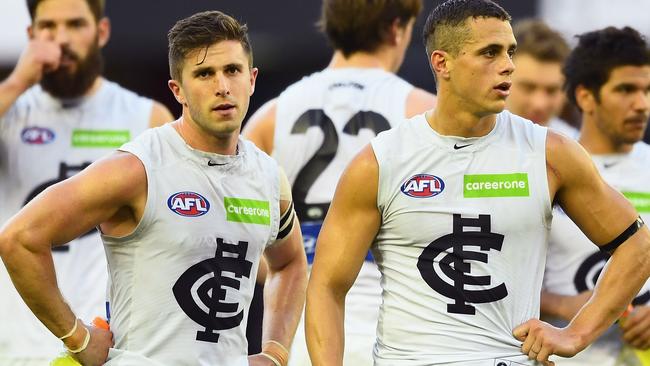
[[315, 127], [608, 78], [58, 115], [536, 92]]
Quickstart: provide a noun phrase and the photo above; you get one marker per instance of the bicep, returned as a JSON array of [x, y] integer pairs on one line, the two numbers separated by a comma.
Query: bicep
[[600, 211], [74, 206], [351, 224]]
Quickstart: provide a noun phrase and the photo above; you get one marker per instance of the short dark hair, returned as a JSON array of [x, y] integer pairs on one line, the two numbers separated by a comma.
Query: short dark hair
[[96, 7], [202, 30], [445, 28], [537, 39], [598, 53], [362, 25]]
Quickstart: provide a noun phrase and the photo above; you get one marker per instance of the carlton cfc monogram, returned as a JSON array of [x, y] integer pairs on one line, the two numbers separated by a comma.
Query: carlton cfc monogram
[[211, 293], [454, 264]]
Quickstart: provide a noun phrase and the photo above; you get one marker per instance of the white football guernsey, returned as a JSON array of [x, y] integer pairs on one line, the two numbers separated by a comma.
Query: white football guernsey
[[322, 122], [574, 263], [44, 141], [182, 282], [462, 242]]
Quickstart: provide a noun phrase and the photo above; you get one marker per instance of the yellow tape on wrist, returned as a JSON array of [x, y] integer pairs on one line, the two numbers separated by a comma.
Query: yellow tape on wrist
[[84, 345], [276, 352], [71, 332]]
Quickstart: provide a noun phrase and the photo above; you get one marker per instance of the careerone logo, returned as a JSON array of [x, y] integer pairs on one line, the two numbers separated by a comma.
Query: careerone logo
[[247, 211], [423, 186], [495, 185], [189, 204], [640, 200]]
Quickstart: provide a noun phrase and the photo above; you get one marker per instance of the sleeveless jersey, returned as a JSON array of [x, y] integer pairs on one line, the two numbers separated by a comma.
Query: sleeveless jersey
[[574, 262], [462, 241], [322, 122], [42, 142], [182, 282]]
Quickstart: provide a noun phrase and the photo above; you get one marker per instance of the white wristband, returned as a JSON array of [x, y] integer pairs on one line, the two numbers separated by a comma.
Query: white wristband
[[83, 345], [275, 361], [71, 332]]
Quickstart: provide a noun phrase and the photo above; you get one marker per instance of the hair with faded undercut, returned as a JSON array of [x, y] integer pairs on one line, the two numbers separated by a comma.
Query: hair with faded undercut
[[446, 28], [202, 30]]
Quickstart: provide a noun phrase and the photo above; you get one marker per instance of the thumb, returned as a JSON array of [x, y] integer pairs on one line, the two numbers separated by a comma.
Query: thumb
[[521, 331]]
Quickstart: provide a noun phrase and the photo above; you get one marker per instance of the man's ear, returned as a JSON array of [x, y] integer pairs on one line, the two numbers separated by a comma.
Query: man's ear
[[585, 99], [177, 90], [103, 31], [254, 72], [441, 63]]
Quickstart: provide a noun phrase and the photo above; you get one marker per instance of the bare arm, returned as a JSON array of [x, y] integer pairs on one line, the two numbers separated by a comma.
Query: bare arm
[[564, 307], [284, 292], [39, 57], [159, 115], [260, 128], [61, 213], [348, 231], [602, 214], [419, 101]]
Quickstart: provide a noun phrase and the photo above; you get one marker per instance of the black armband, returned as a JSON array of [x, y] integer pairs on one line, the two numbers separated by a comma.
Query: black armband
[[612, 245], [286, 222]]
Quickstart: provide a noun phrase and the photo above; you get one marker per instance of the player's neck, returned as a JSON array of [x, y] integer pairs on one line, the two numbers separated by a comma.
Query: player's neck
[[201, 140], [597, 143], [450, 119], [362, 60]]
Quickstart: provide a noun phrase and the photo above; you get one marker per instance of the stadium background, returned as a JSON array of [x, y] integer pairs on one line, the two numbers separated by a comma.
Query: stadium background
[[285, 40]]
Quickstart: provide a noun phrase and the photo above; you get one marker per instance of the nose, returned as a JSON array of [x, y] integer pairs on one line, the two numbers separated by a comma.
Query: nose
[[223, 85], [642, 101], [61, 36], [508, 66]]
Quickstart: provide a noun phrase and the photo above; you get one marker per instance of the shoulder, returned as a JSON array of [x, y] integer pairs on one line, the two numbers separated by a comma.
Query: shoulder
[[260, 127], [419, 101]]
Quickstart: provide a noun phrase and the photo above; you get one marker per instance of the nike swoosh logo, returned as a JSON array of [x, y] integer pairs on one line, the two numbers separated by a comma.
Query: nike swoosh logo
[[456, 147], [607, 166], [210, 163]]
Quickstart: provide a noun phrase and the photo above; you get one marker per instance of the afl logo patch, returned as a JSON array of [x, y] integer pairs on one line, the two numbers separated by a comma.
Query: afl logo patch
[[189, 204], [37, 135], [423, 186]]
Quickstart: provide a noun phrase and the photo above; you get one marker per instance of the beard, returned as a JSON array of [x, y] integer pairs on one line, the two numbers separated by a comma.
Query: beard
[[66, 84]]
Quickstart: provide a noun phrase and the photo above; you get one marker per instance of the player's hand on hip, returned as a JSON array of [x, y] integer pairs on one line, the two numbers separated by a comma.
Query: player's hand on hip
[[541, 340], [636, 327], [260, 360], [40, 56], [97, 351]]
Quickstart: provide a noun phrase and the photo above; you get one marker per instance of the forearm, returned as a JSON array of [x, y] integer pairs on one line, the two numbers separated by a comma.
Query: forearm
[[625, 273], [10, 90], [324, 322], [284, 297], [33, 275]]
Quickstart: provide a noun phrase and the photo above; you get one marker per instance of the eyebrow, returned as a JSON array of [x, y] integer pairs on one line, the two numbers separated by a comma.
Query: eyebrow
[[497, 47], [202, 69], [42, 22]]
